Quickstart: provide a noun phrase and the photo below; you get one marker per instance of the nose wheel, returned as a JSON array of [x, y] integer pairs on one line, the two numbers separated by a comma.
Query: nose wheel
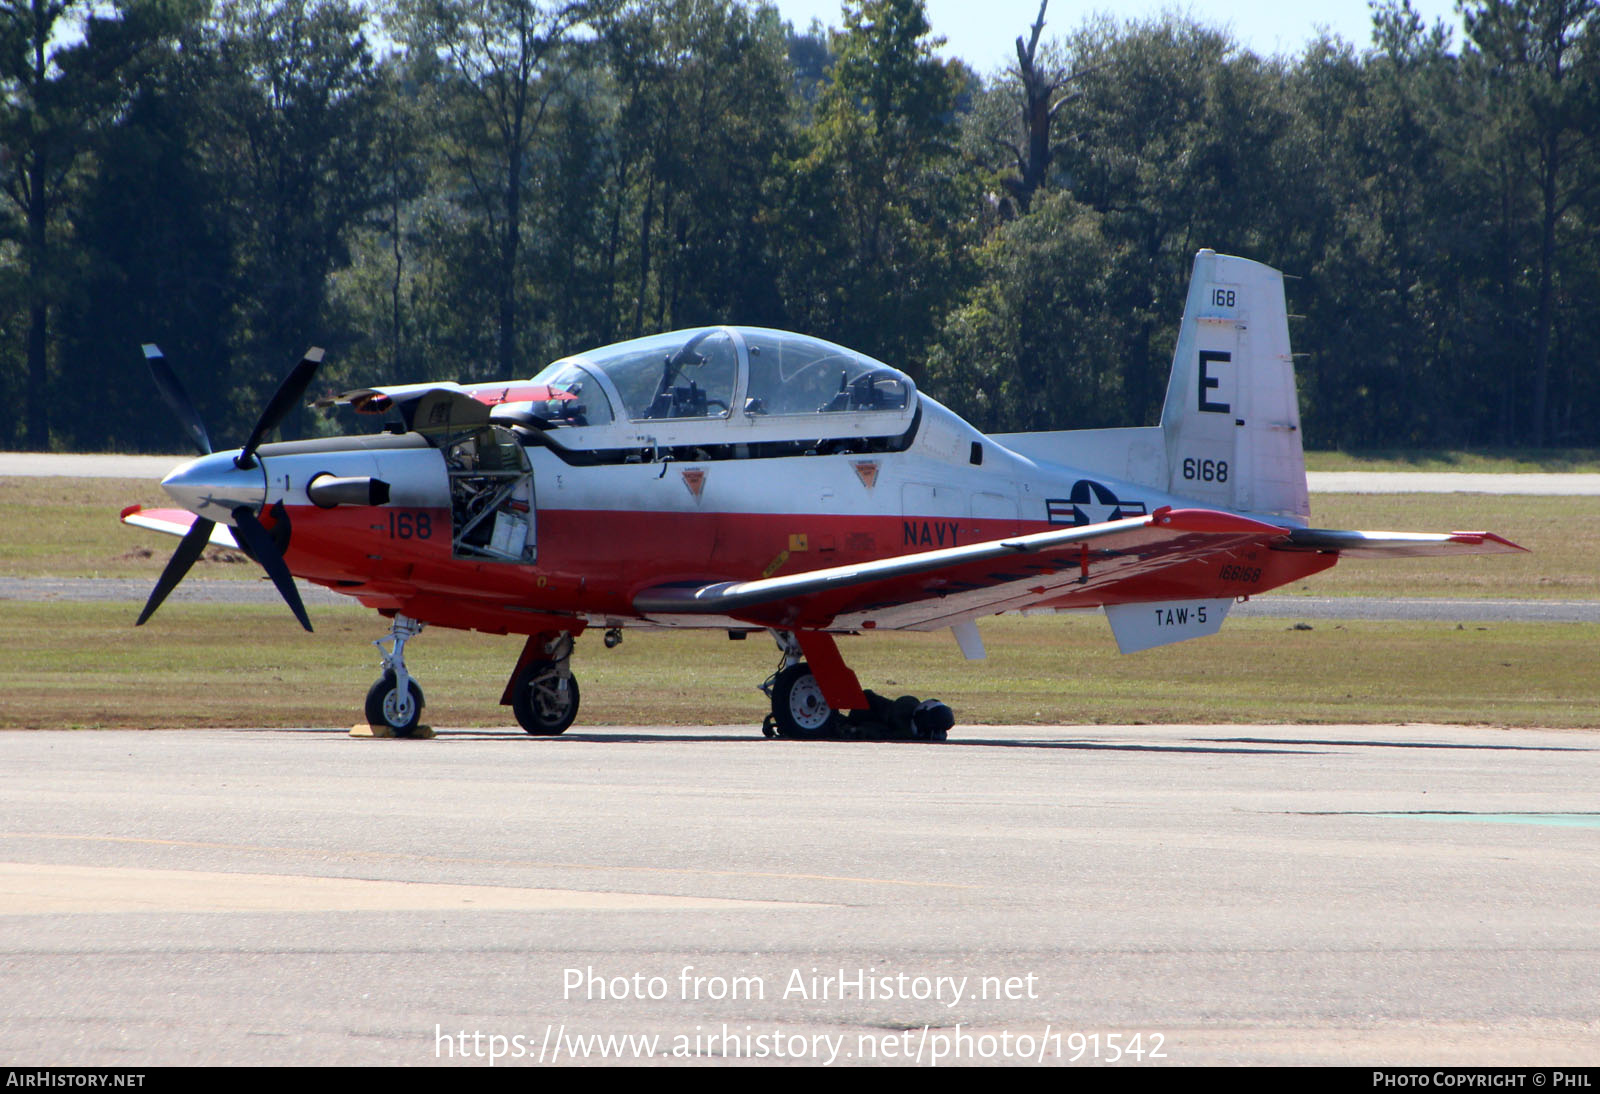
[[388, 705], [395, 700]]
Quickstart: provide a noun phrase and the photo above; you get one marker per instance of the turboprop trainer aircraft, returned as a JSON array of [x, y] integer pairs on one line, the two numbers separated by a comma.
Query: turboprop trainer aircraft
[[745, 479]]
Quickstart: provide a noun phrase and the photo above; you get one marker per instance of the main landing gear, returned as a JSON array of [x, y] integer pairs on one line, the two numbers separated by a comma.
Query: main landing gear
[[543, 693], [801, 709]]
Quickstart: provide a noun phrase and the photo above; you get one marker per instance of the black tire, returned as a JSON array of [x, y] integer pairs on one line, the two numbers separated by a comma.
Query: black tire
[[932, 720], [798, 707], [543, 708], [385, 709]]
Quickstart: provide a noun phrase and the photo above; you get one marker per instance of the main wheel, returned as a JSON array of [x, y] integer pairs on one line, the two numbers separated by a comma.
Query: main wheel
[[544, 702], [387, 707], [798, 705]]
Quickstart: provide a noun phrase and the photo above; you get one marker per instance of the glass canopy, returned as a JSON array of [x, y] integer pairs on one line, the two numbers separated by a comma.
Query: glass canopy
[[702, 374]]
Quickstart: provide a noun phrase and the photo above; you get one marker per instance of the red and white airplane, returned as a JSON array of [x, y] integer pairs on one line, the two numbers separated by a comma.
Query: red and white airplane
[[746, 479]]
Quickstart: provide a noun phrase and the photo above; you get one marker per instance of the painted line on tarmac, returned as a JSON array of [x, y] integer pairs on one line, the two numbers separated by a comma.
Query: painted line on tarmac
[[1553, 820], [392, 856], [33, 889]]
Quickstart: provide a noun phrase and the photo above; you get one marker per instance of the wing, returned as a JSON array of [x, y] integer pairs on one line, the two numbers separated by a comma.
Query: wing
[[174, 522], [933, 589]]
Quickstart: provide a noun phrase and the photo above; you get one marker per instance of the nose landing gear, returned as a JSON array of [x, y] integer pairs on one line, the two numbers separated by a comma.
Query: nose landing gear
[[395, 699]]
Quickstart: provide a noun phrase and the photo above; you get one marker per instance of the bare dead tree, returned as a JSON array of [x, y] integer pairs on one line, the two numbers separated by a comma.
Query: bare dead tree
[[1043, 91]]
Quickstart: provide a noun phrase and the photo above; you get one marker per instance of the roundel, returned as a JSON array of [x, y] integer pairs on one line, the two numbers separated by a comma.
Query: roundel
[[1093, 502]]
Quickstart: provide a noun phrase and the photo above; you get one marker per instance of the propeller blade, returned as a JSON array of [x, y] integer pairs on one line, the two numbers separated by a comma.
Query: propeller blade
[[289, 393], [260, 544], [194, 541], [178, 399]]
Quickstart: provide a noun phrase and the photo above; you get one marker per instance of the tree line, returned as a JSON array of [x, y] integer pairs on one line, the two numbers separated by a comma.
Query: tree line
[[468, 189]]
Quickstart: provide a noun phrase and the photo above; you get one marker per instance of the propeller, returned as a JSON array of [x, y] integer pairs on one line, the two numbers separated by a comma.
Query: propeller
[[259, 542], [178, 399], [289, 393], [194, 541], [249, 532]]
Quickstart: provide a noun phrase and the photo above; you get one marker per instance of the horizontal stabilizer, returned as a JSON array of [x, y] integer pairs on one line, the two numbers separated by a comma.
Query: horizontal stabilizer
[[174, 522], [1400, 544]]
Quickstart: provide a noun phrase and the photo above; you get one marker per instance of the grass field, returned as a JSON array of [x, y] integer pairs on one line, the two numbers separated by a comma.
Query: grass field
[[60, 527], [83, 666]]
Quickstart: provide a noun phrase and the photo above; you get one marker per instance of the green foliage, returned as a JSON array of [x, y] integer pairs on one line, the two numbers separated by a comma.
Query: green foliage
[[67, 69], [1171, 135], [1028, 350], [882, 205], [159, 264], [1542, 58], [705, 111], [515, 180], [497, 69]]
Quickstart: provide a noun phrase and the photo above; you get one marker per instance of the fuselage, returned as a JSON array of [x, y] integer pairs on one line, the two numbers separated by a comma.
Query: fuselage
[[586, 536]]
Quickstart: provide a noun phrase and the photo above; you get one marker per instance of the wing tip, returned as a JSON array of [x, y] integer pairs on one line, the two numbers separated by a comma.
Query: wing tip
[[1480, 538]]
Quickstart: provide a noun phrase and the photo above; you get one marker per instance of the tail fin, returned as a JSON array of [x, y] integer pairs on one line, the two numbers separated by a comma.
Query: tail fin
[[1231, 419]]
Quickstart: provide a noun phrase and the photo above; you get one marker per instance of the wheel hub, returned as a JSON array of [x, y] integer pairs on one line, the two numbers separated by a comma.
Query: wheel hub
[[807, 707], [550, 699], [398, 708]]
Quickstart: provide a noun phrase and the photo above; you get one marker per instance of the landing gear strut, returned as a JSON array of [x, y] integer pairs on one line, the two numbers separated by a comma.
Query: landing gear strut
[[544, 693], [395, 699]]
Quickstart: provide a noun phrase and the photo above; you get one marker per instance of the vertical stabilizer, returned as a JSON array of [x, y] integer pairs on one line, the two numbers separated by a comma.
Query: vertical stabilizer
[[1231, 419]]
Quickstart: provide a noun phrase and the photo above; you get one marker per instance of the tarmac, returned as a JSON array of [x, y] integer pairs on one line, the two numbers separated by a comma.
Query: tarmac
[[1134, 895]]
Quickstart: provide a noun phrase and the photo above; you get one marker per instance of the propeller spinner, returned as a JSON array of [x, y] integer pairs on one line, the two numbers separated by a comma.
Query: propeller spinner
[[231, 485]]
